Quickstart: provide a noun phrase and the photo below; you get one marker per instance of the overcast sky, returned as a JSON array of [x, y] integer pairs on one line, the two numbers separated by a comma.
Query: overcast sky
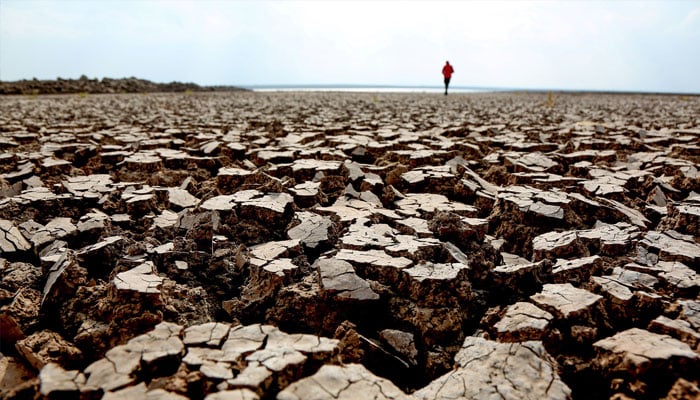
[[599, 45]]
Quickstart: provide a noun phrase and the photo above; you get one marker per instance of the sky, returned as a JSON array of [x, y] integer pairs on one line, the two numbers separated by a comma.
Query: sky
[[650, 46]]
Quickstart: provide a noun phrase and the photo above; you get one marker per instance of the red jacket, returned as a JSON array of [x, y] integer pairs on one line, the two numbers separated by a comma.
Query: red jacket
[[447, 71]]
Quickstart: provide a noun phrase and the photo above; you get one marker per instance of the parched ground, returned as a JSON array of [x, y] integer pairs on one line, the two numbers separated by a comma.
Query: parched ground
[[349, 246]]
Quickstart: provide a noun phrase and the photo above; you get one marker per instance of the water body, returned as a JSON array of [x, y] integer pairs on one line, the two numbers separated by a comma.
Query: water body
[[368, 88], [427, 89]]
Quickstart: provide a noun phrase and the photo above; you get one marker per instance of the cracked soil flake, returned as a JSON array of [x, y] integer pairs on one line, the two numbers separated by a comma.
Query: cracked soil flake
[[339, 277], [564, 300], [641, 349], [334, 382], [10, 238], [139, 279], [487, 369]]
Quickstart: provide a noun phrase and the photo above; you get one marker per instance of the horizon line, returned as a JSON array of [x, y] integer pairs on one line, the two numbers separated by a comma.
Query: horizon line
[[479, 88], [462, 87]]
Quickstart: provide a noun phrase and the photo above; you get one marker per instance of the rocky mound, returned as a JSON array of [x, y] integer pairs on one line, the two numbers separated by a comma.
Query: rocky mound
[[341, 246], [104, 85]]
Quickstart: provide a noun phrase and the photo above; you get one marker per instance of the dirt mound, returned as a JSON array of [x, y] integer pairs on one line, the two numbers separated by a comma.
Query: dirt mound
[[104, 85]]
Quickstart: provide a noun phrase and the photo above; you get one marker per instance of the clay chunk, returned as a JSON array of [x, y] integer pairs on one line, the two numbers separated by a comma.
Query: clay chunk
[[487, 369]]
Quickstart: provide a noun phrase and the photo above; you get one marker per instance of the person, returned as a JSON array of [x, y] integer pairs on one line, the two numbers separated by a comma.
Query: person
[[447, 72]]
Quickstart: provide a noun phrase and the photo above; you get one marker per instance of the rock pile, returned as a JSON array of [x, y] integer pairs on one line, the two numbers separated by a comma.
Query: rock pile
[[339, 246]]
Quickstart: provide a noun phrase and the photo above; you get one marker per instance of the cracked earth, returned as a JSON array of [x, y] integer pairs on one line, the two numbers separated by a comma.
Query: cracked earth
[[349, 246]]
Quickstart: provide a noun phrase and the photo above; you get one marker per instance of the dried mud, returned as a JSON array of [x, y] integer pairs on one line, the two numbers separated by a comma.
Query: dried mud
[[348, 246]]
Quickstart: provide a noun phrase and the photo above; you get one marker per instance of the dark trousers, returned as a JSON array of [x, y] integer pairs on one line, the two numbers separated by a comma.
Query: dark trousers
[[447, 83]]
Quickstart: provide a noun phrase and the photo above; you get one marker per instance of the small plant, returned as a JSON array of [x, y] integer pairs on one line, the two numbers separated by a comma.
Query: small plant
[[550, 99], [188, 92], [83, 95]]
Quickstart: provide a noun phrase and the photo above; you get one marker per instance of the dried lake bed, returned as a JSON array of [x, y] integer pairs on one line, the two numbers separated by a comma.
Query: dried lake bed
[[268, 245]]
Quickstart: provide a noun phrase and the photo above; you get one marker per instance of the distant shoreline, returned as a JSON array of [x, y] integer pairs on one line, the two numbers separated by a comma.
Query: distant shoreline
[[367, 88], [440, 89]]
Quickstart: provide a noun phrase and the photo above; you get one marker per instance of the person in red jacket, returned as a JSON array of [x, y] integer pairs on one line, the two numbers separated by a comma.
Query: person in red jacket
[[447, 72]]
